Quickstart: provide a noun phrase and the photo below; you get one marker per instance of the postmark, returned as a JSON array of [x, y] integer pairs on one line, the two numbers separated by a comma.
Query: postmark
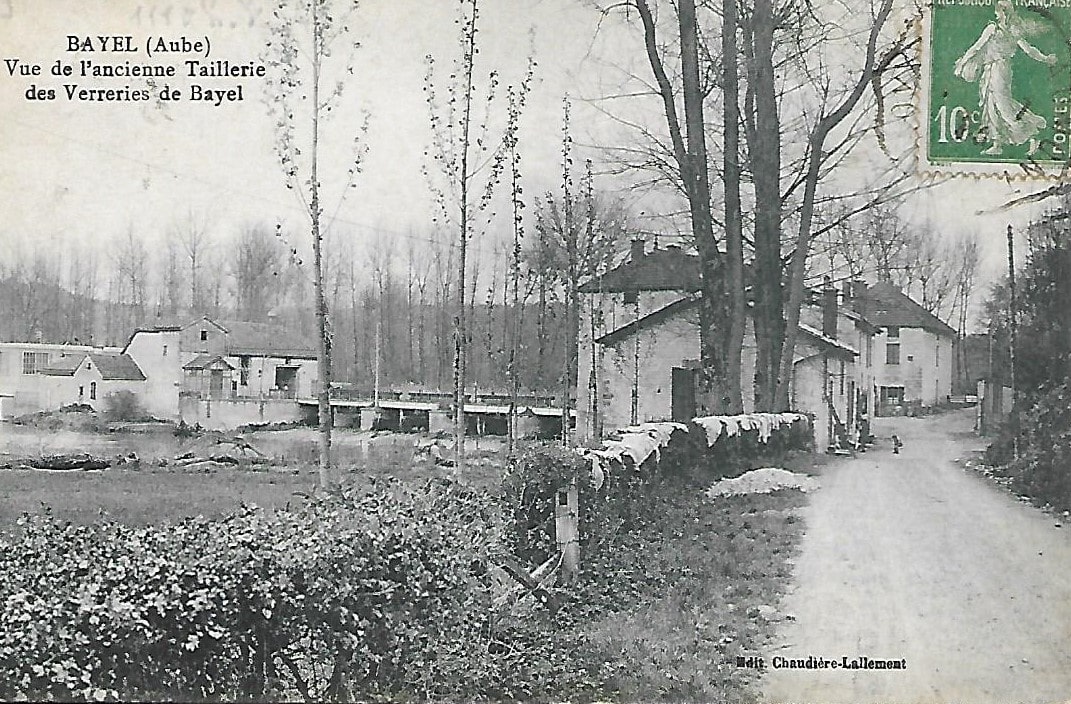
[[996, 88]]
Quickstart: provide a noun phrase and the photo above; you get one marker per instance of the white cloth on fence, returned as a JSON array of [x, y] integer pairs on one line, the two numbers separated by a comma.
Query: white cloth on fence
[[639, 442], [731, 426]]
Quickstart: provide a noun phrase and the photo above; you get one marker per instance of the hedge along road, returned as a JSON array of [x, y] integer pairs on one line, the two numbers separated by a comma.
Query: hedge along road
[[913, 558]]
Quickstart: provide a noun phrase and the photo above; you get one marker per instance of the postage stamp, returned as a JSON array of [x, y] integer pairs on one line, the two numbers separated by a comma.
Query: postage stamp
[[996, 88]]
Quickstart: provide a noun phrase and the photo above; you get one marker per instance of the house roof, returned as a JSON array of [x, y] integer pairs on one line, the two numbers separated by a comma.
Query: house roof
[[63, 366], [150, 330], [260, 339], [205, 361], [828, 342], [116, 367], [669, 269], [159, 328], [886, 305], [654, 318], [265, 339], [691, 301]]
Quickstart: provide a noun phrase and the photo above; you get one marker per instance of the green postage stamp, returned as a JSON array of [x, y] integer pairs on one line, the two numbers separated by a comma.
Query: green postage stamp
[[996, 87]]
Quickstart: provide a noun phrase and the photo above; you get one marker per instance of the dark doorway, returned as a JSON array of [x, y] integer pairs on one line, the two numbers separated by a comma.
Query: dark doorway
[[215, 388], [286, 380], [683, 394]]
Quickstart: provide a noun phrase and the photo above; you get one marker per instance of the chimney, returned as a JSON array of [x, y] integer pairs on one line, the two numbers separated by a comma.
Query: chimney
[[855, 296], [637, 249], [829, 310]]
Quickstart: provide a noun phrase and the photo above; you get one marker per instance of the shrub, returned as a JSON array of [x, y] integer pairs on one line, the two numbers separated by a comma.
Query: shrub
[[123, 406], [535, 475], [1043, 429], [529, 489], [350, 596]]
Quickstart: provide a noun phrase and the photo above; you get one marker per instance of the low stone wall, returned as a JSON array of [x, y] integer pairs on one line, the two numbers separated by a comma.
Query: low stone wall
[[227, 414]]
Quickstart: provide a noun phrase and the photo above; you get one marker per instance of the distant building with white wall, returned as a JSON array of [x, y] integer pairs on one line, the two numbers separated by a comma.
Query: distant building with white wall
[[913, 363], [91, 379], [640, 350], [21, 382], [224, 373]]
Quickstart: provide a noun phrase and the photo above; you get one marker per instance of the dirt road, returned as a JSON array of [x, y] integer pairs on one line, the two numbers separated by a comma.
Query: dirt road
[[910, 558]]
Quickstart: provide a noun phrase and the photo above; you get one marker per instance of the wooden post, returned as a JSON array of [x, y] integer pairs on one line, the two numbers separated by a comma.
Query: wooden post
[[1012, 315], [566, 530]]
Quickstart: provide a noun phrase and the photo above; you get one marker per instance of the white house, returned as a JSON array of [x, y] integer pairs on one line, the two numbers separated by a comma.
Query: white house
[[914, 350], [156, 351], [21, 384], [224, 373], [91, 379], [639, 351]]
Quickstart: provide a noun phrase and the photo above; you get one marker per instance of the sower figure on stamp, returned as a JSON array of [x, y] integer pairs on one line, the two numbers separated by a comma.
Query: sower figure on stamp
[[989, 61]]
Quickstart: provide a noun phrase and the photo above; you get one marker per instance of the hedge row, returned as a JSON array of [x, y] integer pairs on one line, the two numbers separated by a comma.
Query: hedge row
[[610, 482], [385, 595], [349, 597]]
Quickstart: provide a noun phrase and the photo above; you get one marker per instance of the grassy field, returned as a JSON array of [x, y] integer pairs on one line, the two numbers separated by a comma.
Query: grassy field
[[690, 584], [151, 493], [724, 567], [143, 497]]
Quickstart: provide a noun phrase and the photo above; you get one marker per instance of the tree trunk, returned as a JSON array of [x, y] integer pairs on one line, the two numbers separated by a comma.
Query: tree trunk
[[766, 169], [721, 382], [734, 245], [323, 351], [815, 157], [461, 337]]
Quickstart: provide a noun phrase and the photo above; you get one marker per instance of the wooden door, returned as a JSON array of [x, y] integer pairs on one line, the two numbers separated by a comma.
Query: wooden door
[[683, 381]]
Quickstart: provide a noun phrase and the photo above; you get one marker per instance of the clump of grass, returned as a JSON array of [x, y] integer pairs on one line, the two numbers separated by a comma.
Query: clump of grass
[[689, 600]]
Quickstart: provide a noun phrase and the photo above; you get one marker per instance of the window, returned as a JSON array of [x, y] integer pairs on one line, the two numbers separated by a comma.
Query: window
[[893, 331], [937, 353], [243, 362], [165, 351], [632, 297], [33, 362], [892, 353], [81, 392], [204, 336], [92, 391], [892, 395]]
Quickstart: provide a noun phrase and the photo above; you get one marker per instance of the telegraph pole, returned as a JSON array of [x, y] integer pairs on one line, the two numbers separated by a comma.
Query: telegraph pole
[[1012, 315]]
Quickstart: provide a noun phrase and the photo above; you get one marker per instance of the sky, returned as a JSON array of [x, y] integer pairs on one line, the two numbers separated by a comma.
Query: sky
[[84, 171]]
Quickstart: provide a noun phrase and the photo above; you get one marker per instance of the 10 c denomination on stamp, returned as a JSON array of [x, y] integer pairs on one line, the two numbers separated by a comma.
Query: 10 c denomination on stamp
[[996, 87]]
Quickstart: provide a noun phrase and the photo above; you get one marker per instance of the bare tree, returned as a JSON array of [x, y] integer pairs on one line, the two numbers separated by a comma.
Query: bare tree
[[470, 160], [719, 356], [193, 237], [303, 38], [803, 111], [169, 302], [254, 269]]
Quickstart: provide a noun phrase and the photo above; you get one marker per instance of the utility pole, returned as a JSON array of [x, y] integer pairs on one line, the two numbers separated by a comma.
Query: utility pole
[[375, 377], [1012, 314]]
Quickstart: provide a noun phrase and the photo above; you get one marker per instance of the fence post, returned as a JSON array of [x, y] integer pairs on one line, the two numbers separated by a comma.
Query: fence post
[[566, 530]]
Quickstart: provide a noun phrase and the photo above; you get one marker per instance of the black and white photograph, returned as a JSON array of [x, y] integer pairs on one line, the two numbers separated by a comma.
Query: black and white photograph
[[535, 351]]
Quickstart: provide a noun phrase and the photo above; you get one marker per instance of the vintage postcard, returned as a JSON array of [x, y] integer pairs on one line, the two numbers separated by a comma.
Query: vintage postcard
[[535, 350]]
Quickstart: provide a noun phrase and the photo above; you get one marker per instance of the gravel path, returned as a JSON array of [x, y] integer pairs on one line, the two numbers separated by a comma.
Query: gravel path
[[911, 558]]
